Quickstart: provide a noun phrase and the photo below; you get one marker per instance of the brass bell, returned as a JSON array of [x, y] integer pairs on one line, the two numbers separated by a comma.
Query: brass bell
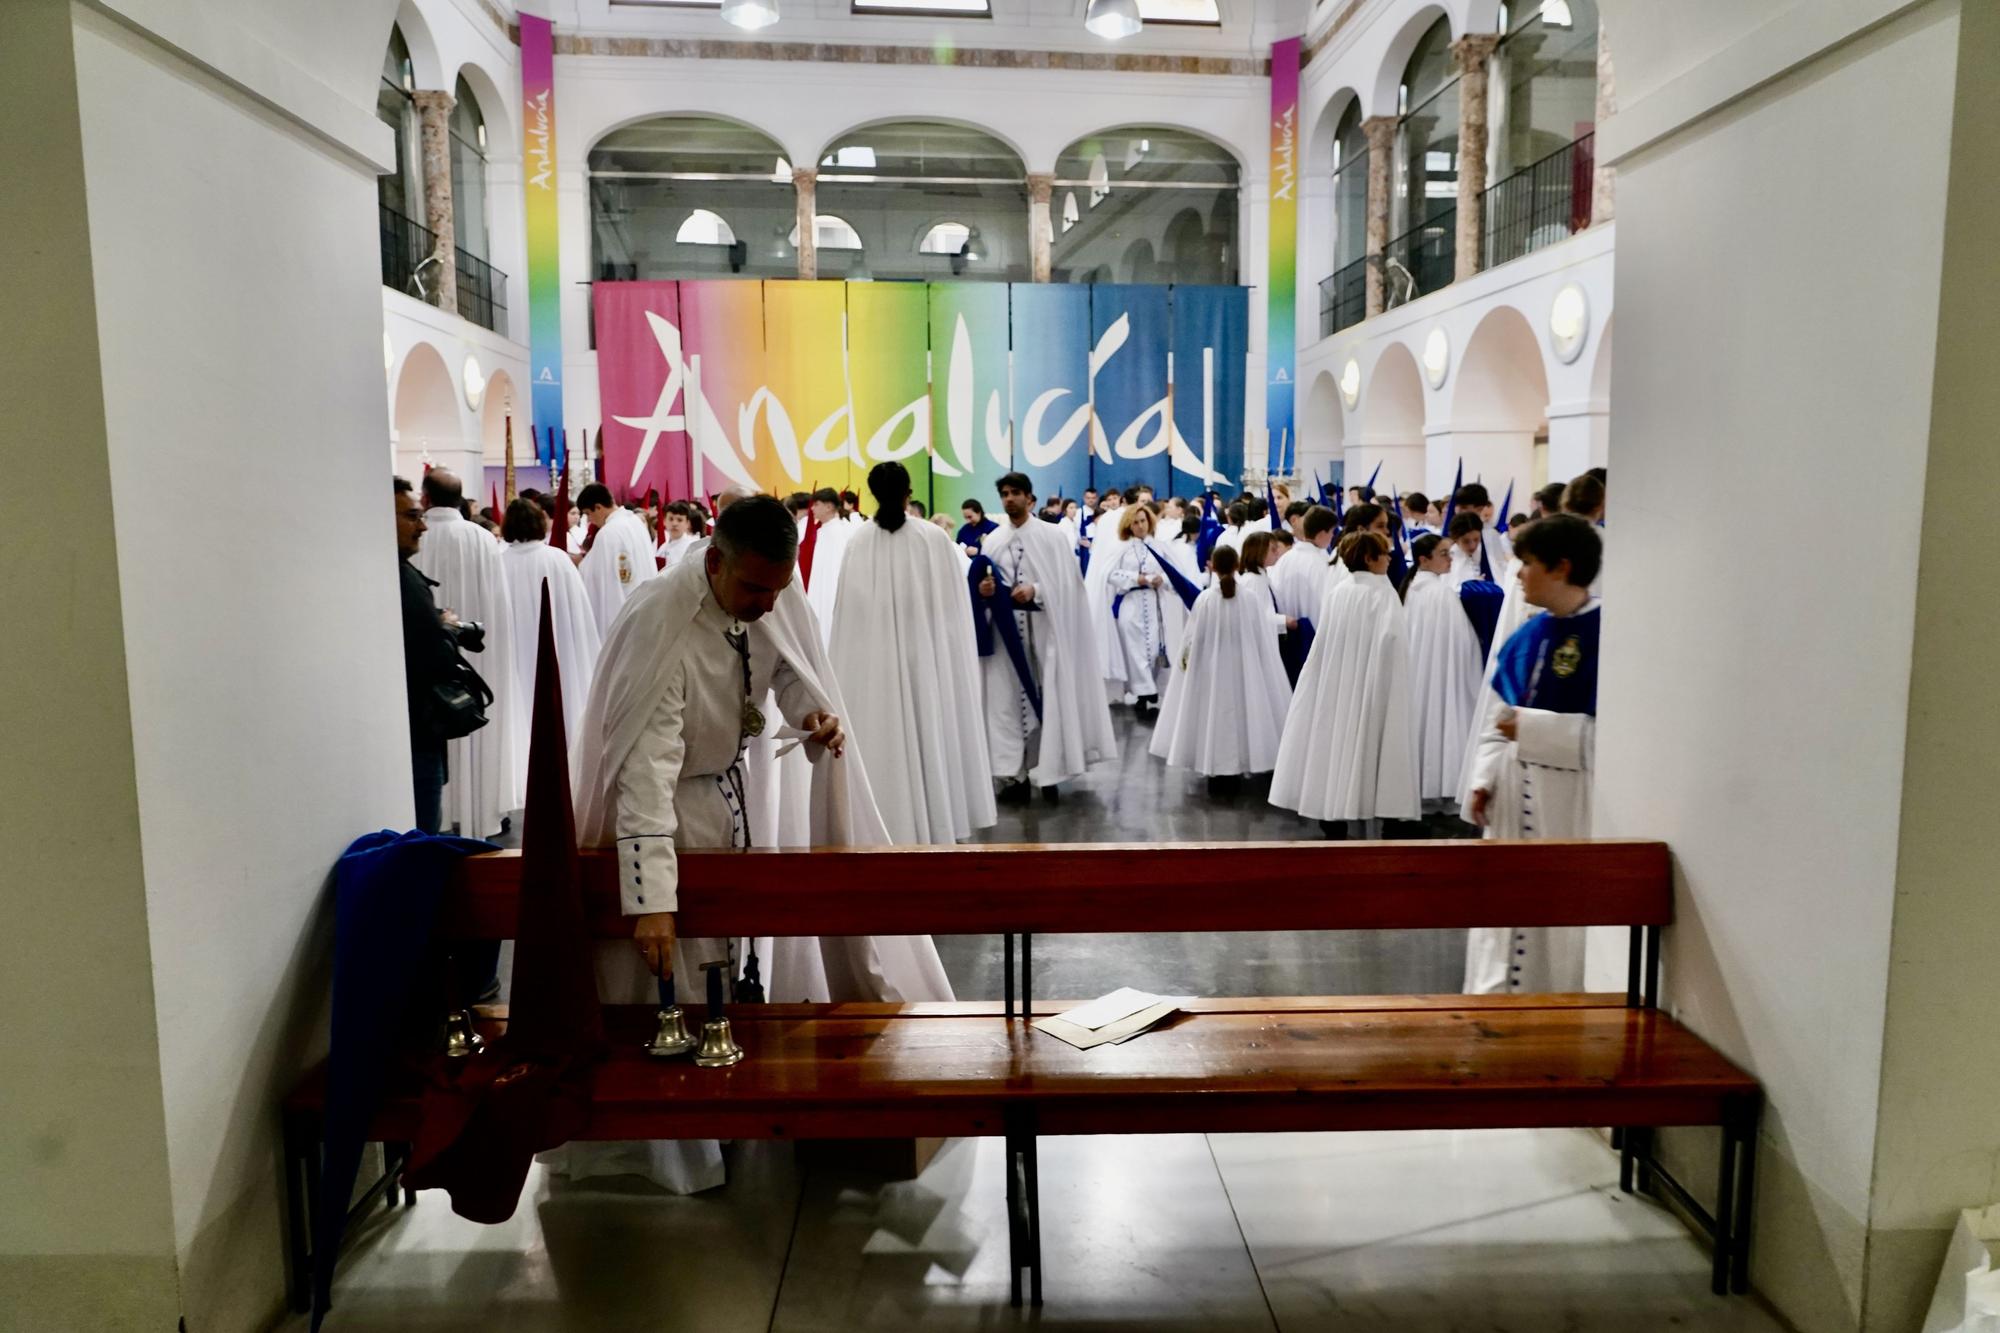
[[671, 1037], [461, 1038], [718, 1047]]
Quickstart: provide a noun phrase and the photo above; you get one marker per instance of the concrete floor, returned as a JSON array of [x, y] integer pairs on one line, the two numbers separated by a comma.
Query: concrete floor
[[1426, 1232]]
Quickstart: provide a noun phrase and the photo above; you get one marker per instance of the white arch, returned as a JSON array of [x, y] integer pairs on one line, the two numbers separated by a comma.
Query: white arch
[[425, 413], [874, 122], [1319, 142], [1502, 381], [1389, 429], [1124, 127], [426, 65], [1389, 74], [501, 402], [495, 107], [1600, 366], [1322, 427], [700, 113]]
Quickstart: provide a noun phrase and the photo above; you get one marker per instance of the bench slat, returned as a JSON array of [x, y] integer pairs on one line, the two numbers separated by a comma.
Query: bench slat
[[1113, 888], [880, 1075]]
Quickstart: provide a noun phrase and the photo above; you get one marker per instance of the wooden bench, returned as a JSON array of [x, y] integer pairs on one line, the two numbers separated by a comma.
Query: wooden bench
[[1268, 1064]]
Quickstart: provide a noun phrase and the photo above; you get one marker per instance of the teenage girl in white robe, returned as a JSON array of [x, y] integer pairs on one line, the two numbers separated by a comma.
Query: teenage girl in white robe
[[1139, 592], [1444, 673], [1225, 705]]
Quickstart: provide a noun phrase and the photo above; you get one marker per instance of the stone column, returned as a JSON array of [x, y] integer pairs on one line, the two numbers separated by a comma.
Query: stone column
[[1471, 54], [1603, 182], [1041, 232], [434, 134], [805, 180], [1381, 132]]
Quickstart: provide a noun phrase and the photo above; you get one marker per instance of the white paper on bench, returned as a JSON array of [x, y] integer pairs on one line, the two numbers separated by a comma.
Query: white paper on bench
[[1108, 1009]]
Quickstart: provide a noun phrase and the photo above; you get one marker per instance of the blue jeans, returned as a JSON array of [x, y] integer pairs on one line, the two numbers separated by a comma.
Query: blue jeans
[[428, 772]]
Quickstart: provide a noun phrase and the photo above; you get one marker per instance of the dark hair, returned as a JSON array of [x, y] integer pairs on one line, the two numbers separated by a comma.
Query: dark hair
[[403, 486], [1015, 481], [443, 489], [889, 483], [1282, 537], [1222, 564], [1295, 509], [594, 495], [850, 500], [1463, 523], [1365, 491], [1550, 498], [826, 495], [798, 502], [1584, 496], [1416, 502], [1603, 475], [1131, 495], [758, 525], [1422, 547], [1360, 516], [1472, 495], [1319, 519], [1256, 549], [1561, 537], [1238, 514], [524, 522], [976, 507], [1190, 525], [1255, 504], [1360, 547], [923, 510]]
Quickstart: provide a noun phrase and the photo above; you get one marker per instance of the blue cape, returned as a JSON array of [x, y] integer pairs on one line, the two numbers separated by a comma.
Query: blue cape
[[993, 616]]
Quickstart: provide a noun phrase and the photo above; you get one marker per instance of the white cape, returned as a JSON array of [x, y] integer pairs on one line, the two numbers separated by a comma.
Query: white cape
[[904, 652], [482, 782], [1106, 546], [1514, 613], [619, 562], [529, 565], [1444, 683], [829, 554], [1227, 698], [1076, 721], [1349, 750]]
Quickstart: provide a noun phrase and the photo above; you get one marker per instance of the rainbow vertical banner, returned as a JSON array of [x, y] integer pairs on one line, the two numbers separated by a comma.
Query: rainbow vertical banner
[[1281, 328], [538, 171]]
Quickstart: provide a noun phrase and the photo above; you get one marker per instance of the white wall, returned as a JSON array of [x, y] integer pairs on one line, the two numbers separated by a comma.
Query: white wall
[[268, 724], [1753, 696]]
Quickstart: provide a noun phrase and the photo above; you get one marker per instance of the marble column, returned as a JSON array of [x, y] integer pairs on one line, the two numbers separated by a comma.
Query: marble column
[[1041, 231], [1381, 132], [1603, 182], [434, 136], [805, 180], [1472, 54]]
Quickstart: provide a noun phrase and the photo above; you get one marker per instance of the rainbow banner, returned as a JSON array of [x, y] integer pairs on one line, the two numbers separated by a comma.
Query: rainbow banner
[[538, 170], [1281, 297], [785, 386]]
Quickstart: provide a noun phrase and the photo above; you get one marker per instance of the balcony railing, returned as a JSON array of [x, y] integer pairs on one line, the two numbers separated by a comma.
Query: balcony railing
[[1419, 261], [1545, 202], [1343, 298], [482, 291], [407, 250]]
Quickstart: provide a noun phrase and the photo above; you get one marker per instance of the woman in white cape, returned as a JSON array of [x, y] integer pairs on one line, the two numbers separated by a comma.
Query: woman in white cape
[[908, 664], [528, 561], [1444, 673], [1145, 610], [1349, 748], [1226, 703]]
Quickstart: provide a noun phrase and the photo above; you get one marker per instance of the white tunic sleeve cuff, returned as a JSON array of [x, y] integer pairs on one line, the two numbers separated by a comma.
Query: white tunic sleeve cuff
[[1555, 740], [648, 875]]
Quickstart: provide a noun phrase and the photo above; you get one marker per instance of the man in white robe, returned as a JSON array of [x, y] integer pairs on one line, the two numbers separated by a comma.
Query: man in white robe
[[1073, 728], [1348, 751], [529, 562], [482, 783], [620, 558], [660, 766], [904, 653], [829, 550]]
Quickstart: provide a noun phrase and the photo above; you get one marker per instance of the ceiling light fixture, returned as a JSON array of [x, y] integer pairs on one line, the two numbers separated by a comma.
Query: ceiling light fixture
[[750, 15], [1113, 19]]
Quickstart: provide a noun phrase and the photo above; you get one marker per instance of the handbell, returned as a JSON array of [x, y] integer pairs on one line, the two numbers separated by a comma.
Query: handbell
[[718, 1047], [671, 1037], [461, 1038]]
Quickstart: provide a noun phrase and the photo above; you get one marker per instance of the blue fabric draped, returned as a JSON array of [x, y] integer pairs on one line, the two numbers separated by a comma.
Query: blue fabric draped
[[1481, 599], [1294, 646], [387, 890], [1550, 663], [971, 534], [1178, 581], [994, 616], [1204, 542]]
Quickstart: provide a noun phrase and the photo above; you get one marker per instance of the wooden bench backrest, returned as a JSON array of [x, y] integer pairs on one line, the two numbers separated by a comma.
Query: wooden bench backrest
[[1115, 887]]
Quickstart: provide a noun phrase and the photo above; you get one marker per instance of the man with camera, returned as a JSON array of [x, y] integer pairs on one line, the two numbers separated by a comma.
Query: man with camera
[[430, 661]]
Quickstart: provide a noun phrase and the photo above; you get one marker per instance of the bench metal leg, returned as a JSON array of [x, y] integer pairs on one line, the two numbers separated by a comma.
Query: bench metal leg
[[1024, 1207], [298, 1238], [1740, 1258], [1725, 1214], [1027, 976], [1007, 969]]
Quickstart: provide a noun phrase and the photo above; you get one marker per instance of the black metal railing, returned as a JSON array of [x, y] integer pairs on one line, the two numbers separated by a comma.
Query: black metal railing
[[406, 244], [482, 291], [1343, 298], [1419, 261], [1542, 203]]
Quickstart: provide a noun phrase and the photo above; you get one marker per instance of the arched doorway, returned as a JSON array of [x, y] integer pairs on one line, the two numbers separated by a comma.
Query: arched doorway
[[1322, 428], [1499, 406], [1389, 424], [426, 423]]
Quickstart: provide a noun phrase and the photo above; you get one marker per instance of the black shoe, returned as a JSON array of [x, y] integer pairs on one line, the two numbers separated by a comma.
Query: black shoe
[[1050, 796], [1013, 793], [1334, 829]]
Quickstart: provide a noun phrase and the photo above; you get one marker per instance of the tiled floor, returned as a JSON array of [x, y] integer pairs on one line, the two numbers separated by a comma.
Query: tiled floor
[[1356, 1233], [1489, 1230]]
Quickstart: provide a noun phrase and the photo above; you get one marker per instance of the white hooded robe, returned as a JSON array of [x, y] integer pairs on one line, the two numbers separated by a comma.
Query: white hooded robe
[[1226, 702], [528, 565], [483, 783], [619, 562], [1444, 683]]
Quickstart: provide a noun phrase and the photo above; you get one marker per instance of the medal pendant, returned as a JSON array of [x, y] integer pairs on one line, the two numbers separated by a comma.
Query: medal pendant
[[753, 719]]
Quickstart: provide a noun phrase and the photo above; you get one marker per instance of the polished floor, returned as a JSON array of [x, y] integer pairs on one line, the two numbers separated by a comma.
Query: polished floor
[[1426, 1232]]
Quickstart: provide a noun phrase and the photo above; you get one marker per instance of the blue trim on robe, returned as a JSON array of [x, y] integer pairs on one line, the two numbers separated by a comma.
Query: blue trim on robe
[[1550, 663], [997, 613], [1481, 599]]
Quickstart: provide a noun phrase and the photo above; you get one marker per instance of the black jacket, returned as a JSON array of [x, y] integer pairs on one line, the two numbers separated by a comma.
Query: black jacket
[[429, 655]]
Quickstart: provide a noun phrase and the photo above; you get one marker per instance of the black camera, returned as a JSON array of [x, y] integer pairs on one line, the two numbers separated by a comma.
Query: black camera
[[470, 636]]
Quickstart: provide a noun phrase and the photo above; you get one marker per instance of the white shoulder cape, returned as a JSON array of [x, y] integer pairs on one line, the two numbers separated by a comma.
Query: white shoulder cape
[[619, 562], [483, 782], [1444, 683], [1227, 697], [528, 566], [1076, 720]]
